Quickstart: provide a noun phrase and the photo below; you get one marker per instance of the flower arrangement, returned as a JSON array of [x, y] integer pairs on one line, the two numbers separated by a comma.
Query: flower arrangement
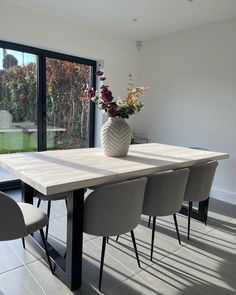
[[116, 107]]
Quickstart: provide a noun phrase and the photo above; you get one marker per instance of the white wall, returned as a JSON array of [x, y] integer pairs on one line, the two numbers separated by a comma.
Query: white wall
[[39, 29], [191, 74], [192, 95]]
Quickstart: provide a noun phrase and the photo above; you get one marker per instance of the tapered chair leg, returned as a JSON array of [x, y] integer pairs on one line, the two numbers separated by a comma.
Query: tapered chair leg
[[177, 228], [190, 206], [117, 238], [153, 236], [149, 221], [46, 249], [48, 214], [135, 247], [23, 242], [39, 202], [104, 239]]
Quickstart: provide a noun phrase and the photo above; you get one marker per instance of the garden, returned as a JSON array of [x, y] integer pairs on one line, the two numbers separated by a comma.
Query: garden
[[67, 105]]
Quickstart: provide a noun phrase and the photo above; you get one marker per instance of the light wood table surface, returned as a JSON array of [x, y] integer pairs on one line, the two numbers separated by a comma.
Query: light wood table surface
[[60, 171]]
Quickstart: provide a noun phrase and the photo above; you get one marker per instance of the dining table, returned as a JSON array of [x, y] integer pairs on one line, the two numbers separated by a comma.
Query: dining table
[[72, 171]]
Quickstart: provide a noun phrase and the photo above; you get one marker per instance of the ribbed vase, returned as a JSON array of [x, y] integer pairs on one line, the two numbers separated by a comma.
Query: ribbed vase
[[115, 137]]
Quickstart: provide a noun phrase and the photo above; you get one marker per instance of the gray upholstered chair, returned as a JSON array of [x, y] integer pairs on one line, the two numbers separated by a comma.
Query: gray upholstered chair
[[112, 210], [164, 196], [18, 220], [199, 185]]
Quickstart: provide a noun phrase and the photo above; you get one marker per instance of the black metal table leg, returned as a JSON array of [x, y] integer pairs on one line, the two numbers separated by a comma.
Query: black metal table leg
[[203, 208], [68, 269], [27, 193], [74, 250], [199, 214]]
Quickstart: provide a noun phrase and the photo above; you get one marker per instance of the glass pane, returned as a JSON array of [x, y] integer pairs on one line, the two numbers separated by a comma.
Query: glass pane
[[18, 119], [67, 104]]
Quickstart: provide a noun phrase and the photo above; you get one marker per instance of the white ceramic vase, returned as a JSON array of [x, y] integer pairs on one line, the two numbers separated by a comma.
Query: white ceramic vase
[[115, 137]]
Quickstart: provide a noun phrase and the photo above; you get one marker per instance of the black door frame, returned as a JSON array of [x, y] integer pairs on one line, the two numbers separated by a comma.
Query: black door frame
[[41, 94]]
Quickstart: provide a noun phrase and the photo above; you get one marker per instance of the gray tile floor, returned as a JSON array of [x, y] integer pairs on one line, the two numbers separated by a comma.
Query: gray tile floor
[[204, 265]]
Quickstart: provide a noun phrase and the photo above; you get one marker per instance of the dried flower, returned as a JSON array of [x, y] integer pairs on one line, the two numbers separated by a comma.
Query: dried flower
[[118, 107], [99, 73], [91, 93]]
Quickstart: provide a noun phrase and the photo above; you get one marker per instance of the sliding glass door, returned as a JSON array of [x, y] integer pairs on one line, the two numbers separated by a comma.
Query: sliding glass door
[[68, 108], [43, 103], [18, 113]]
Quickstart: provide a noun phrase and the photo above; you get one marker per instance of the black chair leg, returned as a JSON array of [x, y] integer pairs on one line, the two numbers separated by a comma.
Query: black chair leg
[[117, 238], [39, 202], [153, 236], [104, 240], [149, 221], [190, 206], [48, 214], [46, 249], [23, 242], [177, 228], [135, 247]]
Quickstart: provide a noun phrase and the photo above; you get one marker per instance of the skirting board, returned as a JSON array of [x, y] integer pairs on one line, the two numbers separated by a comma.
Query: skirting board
[[222, 195]]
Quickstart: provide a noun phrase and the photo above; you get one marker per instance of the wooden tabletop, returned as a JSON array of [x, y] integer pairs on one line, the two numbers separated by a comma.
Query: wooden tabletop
[[52, 172]]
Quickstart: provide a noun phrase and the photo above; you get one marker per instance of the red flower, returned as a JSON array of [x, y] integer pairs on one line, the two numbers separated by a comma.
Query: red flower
[[117, 107], [106, 94], [99, 73], [112, 112], [91, 93]]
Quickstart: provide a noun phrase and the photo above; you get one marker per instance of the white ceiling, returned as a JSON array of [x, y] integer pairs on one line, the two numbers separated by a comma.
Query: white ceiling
[[154, 17]]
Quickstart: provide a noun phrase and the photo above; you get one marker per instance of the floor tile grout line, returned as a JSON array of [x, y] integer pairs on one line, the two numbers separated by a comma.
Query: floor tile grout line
[[113, 258], [137, 274], [215, 226], [130, 278], [12, 269], [161, 259], [133, 274], [143, 269], [24, 265]]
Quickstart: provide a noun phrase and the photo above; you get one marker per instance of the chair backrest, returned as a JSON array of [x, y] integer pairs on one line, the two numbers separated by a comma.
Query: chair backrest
[[12, 224], [200, 181], [165, 192], [114, 209]]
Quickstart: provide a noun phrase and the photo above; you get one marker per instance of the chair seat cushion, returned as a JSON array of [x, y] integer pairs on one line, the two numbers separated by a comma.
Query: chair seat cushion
[[35, 218]]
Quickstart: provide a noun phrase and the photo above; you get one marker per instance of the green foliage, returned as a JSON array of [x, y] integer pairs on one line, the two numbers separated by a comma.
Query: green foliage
[[67, 101], [9, 61], [18, 92]]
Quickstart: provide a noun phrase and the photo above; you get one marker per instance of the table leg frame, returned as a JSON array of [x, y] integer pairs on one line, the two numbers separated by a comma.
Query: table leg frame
[[200, 214], [68, 269]]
